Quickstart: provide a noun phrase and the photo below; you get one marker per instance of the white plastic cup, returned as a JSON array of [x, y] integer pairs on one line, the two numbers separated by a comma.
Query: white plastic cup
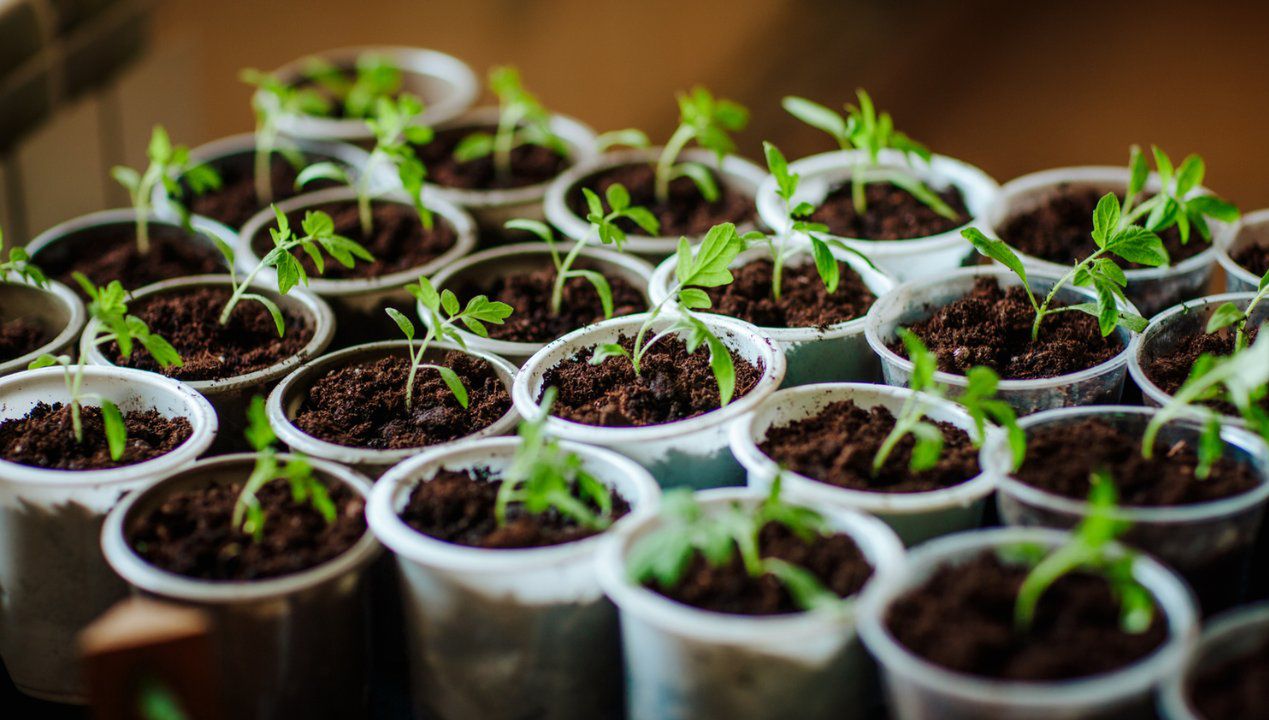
[[1227, 638], [500, 634], [1247, 231], [916, 516], [920, 690], [693, 452], [55, 308], [54, 578], [685, 663]]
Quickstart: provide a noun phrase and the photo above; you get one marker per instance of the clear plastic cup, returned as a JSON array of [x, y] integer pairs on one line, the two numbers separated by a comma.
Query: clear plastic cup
[[56, 309], [1251, 229], [1228, 637]]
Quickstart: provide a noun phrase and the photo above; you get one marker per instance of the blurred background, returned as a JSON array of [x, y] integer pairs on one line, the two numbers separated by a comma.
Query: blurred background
[[1012, 87]]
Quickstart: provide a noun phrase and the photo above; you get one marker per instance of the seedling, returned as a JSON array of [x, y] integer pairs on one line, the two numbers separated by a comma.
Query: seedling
[[109, 306], [168, 162], [1090, 549], [272, 100], [606, 229], [708, 121], [1228, 314], [862, 128], [375, 77], [1174, 204], [543, 476], [522, 120], [248, 514], [319, 235], [20, 266], [444, 316]]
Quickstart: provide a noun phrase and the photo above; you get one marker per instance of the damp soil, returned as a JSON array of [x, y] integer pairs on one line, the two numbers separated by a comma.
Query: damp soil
[[458, 507], [991, 326], [363, 405], [673, 385], [191, 532], [110, 253], [834, 559], [1170, 371], [961, 619], [686, 212], [19, 337], [1235, 689], [837, 445], [189, 319], [1253, 257], [1060, 459], [530, 164], [236, 202], [45, 438], [891, 213], [804, 301]]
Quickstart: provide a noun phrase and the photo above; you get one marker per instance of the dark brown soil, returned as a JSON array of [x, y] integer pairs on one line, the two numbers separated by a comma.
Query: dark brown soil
[[110, 253], [45, 438], [674, 385], [686, 212], [20, 336], [530, 164], [804, 301], [892, 213], [991, 326], [1060, 459], [235, 202], [529, 293], [1060, 230], [962, 619], [1171, 371], [189, 319], [191, 533], [1253, 257], [834, 559], [458, 507], [363, 405], [1235, 690], [837, 447]]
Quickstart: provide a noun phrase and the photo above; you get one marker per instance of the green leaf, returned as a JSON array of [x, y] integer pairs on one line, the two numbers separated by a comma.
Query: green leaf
[[126, 177], [694, 299], [928, 447], [825, 264], [618, 197], [474, 147], [116, 430], [604, 351], [455, 385], [44, 361], [536, 227], [449, 302], [818, 117], [1226, 315], [628, 137], [1106, 219], [602, 288], [709, 266], [700, 176], [1189, 175], [996, 250], [644, 218], [1138, 245], [403, 322], [322, 171], [1213, 207], [1139, 171], [279, 320], [258, 433], [724, 370]]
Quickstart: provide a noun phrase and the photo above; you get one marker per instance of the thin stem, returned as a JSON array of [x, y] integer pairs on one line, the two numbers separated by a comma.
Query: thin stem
[[1182, 399], [639, 349], [777, 268], [1126, 218], [77, 386], [504, 143], [1041, 577], [665, 164], [241, 288], [910, 410], [1240, 335], [561, 273], [1042, 310], [141, 201]]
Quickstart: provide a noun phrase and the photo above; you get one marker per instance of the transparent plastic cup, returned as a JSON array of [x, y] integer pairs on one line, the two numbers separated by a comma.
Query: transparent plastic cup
[[508, 633], [1253, 228], [917, 300], [56, 309], [684, 663], [1226, 639], [915, 517], [920, 690]]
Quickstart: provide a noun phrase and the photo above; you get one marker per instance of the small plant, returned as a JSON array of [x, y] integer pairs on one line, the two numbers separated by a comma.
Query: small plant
[[168, 162], [1228, 314], [708, 121], [272, 100], [1174, 204], [444, 315], [864, 129], [109, 306], [375, 77], [522, 120], [20, 266], [248, 514]]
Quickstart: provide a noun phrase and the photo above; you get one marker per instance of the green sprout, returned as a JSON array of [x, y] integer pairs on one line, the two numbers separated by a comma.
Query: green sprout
[[522, 120], [109, 307], [864, 129], [272, 100], [628, 137], [1175, 203], [444, 315], [375, 77], [708, 121], [167, 163], [1228, 314], [20, 266]]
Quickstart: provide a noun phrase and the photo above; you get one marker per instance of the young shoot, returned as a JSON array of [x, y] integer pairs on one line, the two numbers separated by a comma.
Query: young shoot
[[272, 100], [374, 77], [522, 120], [19, 266], [168, 162], [1175, 203], [248, 514], [708, 121], [109, 306], [863, 128], [444, 315], [1228, 315]]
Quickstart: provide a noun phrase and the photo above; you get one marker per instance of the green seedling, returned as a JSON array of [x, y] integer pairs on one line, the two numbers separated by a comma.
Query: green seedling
[[168, 162], [522, 120], [272, 100], [708, 121], [109, 307], [19, 265], [1175, 203], [444, 314], [863, 128], [628, 137], [1229, 314], [375, 77]]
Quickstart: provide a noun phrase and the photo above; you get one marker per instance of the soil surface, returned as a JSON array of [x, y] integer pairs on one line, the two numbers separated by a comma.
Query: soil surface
[[530, 164], [1171, 371], [191, 533], [892, 213], [1060, 230], [110, 253], [363, 405], [1253, 257], [1235, 690], [962, 619], [991, 326], [835, 561], [685, 213], [45, 438], [837, 447], [458, 507], [804, 301], [20, 336], [1060, 459], [673, 385], [189, 319], [235, 202]]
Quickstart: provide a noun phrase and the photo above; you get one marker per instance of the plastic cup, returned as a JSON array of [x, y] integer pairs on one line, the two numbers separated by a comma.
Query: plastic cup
[[56, 309], [1227, 638], [1252, 228]]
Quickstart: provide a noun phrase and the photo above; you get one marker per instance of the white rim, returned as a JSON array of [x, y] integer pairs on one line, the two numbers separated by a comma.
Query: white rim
[[1232, 239], [1239, 623], [77, 315], [204, 229]]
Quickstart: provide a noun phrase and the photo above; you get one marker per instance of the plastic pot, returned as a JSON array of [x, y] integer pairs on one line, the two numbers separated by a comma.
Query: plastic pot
[[1227, 638], [285, 400], [916, 517], [917, 689], [288, 646], [487, 265], [691, 452], [56, 309], [903, 259], [1252, 229], [734, 172], [53, 576], [836, 353], [232, 395], [917, 299], [685, 663], [503, 634]]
